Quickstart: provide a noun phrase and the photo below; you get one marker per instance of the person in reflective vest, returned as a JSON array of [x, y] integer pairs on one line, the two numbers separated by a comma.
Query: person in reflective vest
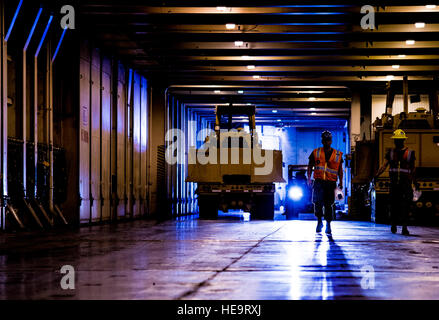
[[401, 161], [327, 164]]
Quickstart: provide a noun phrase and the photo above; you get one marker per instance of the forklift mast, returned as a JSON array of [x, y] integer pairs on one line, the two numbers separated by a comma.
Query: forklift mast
[[230, 111]]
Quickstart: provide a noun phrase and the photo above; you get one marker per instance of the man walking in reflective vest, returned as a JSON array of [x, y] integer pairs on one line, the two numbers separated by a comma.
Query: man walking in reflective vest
[[327, 164], [402, 171]]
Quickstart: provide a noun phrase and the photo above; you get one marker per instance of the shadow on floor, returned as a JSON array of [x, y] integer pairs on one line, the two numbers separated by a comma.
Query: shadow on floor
[[334, 278]]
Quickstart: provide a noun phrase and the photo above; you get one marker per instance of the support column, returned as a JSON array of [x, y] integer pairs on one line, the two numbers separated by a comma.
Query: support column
[[434, 96], [157, 165], [355, 123], [361, 113], [3, 119], [366, 115], [405, 94]]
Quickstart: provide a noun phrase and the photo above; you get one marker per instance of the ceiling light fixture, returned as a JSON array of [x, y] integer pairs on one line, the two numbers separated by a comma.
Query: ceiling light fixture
[[256, 76], [402, 56], [420, 25], [240, 91], [230, 26], [313, 113], [239, 43], [312, 109], [390, 77], [274, 111], [410, 42], [312, 98], [251, 67], [396, 66], [221, 8], [430, 6], [245, 57], [217, 91]]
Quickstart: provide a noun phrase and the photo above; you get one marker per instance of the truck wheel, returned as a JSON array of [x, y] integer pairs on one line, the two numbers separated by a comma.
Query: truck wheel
[[263, 207], [208, 207]]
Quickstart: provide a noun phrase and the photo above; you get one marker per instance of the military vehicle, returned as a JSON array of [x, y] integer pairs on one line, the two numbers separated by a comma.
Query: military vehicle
[[231, 169], [423, 138]]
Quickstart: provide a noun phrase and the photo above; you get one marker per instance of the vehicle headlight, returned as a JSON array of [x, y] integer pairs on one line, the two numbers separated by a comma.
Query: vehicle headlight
[[295, 193]]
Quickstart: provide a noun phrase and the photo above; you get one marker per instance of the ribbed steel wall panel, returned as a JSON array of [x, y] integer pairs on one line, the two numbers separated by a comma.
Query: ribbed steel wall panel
[[84, 138], [106, 138], [121, 140], [144, 145], [130, 139], [95, 147]]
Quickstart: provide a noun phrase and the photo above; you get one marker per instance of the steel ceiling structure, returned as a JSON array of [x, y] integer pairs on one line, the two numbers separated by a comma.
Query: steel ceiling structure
[[292, 55]]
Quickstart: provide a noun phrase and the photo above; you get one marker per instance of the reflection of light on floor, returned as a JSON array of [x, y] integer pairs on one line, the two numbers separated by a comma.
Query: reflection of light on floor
[[321, 258], [294, 256], [324, 293], [307, 264], [322, 253]]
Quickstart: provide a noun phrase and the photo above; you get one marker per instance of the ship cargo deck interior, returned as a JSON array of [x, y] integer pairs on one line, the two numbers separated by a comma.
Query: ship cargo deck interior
[[109, 108]]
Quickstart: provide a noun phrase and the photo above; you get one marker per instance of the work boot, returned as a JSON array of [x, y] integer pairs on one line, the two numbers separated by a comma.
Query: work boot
[[319, 226], [405, 231], [328, 228], [393, 229]]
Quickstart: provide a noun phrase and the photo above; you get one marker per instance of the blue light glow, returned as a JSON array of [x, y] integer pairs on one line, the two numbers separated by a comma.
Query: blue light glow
[[44, 36], [33, 29], [13, 21], [59, 44], [295, 193]]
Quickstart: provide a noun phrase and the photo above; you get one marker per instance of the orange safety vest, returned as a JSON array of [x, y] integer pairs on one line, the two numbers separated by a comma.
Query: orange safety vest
[[400, 165], [327, 170]]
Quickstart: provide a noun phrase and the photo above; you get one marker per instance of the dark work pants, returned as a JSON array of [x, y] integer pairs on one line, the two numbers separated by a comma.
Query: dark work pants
[[323, 198], [401, 196]]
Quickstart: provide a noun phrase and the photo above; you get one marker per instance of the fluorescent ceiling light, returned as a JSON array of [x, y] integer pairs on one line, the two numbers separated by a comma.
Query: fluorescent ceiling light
[[256, 76], [230, 26], [240, 91], [312, 109], [221, 8], [274, 111], [312, 98], [239, 43], [395, 66], [402, 56], [410, 42], [430, 6], [279, 120], [390, 77], [313, 113], [245, 57], [251, 67], [217, 91], [420, 25]]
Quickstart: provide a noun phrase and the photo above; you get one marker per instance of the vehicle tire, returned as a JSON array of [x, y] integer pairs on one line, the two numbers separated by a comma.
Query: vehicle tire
[[263, 207], [208, 207]]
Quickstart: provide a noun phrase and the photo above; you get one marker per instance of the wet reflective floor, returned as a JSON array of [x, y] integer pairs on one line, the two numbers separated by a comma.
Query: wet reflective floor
[[224, 259]]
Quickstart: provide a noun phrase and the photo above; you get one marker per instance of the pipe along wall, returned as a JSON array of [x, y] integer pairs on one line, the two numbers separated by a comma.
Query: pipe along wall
[[74, 130], [181, 194]]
